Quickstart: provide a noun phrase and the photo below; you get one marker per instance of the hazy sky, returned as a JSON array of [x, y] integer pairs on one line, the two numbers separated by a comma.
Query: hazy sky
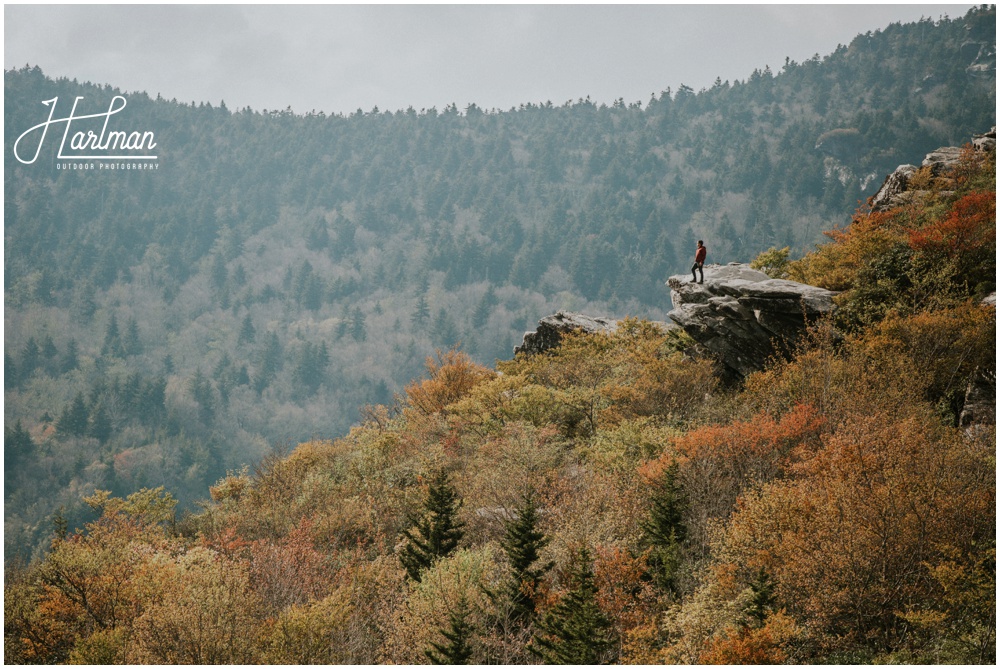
[[344, 57]]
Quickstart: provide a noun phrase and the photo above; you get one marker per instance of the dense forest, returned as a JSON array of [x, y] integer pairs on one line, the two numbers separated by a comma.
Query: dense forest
[[281, 271], [605, 501]]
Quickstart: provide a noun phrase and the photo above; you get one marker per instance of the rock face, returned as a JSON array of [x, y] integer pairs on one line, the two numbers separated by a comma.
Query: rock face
[[896, 189], [742, 316], [552, 328]]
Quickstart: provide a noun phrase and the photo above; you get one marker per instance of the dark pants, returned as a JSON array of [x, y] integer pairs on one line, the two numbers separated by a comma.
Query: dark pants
[[697, 266]]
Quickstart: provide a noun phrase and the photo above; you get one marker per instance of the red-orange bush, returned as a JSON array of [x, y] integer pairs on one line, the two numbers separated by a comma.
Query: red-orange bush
[[969, 230]]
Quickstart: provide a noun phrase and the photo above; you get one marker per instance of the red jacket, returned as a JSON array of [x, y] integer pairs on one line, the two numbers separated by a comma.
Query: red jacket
[[700, 255]]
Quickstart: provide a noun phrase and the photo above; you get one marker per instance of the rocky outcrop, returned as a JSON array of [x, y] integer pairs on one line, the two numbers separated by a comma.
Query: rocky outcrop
[[552, 328], [899, 187], [744, 317]]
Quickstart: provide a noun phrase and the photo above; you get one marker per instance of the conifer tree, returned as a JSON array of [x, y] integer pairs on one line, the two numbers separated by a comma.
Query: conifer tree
[[665, 529], [247, 331], [30, 356], [762, 601], [49, 352], [17, 444], [522, 543], [576, 631], [100, 427], [358, 329], [112, 338], [132, 343], [458, 635], [485, 307], [421, 313], [436, 532], [74, 418], [70, 359], [9, 372]]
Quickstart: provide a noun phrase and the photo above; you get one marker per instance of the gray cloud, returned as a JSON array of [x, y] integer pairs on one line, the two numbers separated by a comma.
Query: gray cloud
[[345, 57]]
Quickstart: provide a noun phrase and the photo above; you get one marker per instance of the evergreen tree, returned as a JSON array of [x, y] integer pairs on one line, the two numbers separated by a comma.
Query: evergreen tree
[[485, 307], [436, 532], [49, 352], [421, 313], [270, 362], [100, 424], [17, 444], [204, 395], [762, 601], [239, 275], [665, 530], [444, 332], [312, 293], [310, 368], [112, 338], [522, 543], [576, 631], [74, 419], [70, 359], [358, 330], [247, 331], [317, 237], [458, 635], [219, 272], [10, 371], [132, 344], [30, 355]]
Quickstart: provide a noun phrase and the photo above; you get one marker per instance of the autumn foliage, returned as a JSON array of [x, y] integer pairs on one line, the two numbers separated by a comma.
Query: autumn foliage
[[837, 507]]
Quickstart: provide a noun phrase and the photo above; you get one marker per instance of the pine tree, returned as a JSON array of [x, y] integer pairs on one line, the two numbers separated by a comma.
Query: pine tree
[[49, 352], [270, 362], [444, 332], [665, 529], [30, 356], [485, 307], [219, 272], [762, 601], [70, 359], [576, 631], [100, 424], [73, 421], [132, 344], [247, 331], [421, 313], [17, 445], [458, 635], [436, 532], [522, 543], [358, 330], [112, 338], [10, 371]]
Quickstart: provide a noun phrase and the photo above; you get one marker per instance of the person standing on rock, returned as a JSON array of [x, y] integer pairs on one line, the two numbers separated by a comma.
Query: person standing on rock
[[699, 263]]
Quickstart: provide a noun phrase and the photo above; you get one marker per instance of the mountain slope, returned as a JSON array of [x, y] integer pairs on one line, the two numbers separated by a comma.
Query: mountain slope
[[278, 271], [835, 508]]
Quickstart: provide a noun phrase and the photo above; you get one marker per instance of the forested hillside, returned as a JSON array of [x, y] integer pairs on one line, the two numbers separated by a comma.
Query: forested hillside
[[280, 270], [606, 501]]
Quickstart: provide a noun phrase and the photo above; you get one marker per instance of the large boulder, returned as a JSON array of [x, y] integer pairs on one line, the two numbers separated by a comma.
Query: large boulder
[[744, 317], [552, 328]]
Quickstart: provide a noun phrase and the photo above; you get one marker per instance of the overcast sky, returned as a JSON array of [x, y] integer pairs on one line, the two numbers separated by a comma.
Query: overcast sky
[[342, 58]]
